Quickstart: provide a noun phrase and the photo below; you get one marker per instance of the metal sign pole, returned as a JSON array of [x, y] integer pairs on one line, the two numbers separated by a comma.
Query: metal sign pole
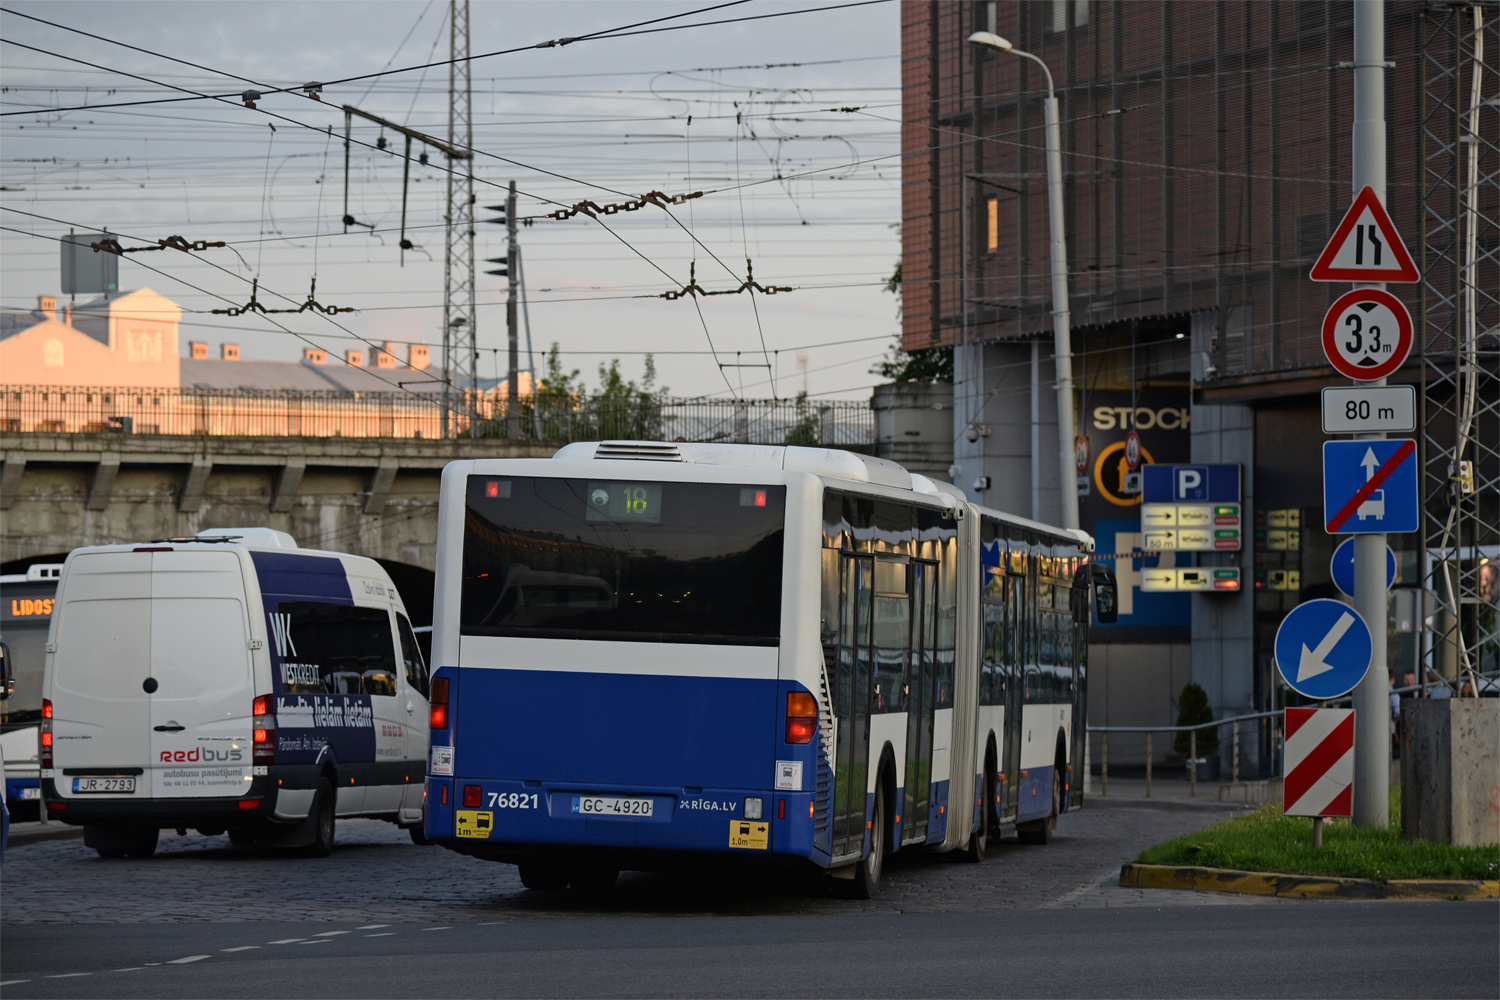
[[1372, 748]]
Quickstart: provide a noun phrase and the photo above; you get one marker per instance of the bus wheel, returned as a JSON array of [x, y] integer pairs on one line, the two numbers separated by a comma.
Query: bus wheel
[[543, 878], [322, 815], [418, 835], [593, 881], [1039, 831], [979, 840], [867, 873]]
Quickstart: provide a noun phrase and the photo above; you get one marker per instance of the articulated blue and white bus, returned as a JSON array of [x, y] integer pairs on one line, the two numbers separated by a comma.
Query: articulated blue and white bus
[[650, 654]]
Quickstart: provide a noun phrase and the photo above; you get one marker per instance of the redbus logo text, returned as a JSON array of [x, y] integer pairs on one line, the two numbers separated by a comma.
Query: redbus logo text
[[207, 755]]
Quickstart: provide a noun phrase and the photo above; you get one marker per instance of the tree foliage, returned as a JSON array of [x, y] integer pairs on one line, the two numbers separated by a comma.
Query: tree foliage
[[934, 364], [1193, 710]]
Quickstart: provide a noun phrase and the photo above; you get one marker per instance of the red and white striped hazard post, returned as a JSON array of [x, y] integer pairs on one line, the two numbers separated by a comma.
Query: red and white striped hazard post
[[1319, 778]]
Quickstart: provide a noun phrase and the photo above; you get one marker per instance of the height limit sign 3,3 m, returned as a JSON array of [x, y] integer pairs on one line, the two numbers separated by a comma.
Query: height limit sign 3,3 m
[[1367, 334]]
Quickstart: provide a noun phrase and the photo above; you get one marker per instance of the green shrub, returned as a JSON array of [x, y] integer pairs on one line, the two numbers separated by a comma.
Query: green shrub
[[1192, 710]]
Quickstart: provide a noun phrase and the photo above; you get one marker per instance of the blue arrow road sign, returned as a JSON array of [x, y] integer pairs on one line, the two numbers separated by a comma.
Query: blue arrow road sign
[[1369, 486], [1342, 567], [1323, 649]]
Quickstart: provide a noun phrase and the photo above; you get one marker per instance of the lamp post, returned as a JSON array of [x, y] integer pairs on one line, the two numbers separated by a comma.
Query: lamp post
[[1061, 331]]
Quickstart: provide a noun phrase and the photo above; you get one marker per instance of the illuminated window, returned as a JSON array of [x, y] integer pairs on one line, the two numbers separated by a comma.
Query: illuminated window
[[991, 225]]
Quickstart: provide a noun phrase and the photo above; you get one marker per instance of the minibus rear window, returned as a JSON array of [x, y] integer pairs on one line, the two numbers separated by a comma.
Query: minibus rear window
[[606, 559]]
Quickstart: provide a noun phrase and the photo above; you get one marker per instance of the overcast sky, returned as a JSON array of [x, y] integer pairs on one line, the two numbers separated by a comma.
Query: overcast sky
[[607, 118]]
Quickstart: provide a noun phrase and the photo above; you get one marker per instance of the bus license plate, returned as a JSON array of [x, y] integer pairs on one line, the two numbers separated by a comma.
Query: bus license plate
[[27, 794], [83, 786], [600, 805]]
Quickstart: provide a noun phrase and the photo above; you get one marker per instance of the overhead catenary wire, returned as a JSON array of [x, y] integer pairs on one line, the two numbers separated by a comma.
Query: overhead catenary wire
[[619, 237], [621, 32]]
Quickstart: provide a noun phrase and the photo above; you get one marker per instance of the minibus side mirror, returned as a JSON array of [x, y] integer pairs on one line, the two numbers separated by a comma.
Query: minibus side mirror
[[1106, 595], [7, 682]]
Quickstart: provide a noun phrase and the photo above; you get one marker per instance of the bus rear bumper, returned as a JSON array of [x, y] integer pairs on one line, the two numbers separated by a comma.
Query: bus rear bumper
[[519, 820]]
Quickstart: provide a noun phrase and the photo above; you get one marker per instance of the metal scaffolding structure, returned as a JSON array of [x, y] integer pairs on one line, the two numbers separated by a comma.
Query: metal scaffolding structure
[[1460, 335], [460, 356]]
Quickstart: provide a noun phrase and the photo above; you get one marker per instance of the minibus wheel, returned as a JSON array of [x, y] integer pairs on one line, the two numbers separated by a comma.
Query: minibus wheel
[[323, 822], [145, 844]]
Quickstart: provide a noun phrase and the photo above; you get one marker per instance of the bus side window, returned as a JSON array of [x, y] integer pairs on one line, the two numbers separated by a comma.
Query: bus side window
[[411, 654]]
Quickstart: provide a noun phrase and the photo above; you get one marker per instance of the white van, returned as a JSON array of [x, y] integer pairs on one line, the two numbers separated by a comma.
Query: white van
[[230, 681]]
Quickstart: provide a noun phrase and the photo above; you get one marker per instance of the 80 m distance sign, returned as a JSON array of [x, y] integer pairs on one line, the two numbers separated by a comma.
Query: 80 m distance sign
[[1367, 334]]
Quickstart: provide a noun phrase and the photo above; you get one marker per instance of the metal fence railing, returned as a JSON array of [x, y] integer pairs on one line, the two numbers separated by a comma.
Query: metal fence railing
[[275, 413], [1192, 749]]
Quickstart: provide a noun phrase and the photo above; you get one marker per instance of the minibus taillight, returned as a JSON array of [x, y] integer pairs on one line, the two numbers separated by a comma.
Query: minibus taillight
[[439, 704], [265, 746], [46, 736], [801, 717], [262, 705], [152, 548]]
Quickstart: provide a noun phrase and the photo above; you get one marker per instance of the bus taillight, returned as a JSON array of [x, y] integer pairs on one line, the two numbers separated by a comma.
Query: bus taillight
[[801, 717], [439, 704]]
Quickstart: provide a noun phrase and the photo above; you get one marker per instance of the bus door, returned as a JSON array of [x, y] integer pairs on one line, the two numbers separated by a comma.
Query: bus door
[[1015, 668], [1082, 614], [851, 697], [921, 686]]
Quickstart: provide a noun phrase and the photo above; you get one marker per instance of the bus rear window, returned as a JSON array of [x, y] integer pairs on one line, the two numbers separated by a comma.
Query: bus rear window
[[643, 561]]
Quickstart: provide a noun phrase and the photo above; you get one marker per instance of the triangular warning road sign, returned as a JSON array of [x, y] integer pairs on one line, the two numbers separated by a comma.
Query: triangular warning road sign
[[1365, 247]]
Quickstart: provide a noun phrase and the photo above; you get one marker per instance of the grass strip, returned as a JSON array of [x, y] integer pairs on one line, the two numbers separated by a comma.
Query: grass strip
[[1268, 841]]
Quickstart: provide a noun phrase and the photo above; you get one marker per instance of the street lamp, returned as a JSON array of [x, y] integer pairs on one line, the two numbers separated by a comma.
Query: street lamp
[[1062, 347]]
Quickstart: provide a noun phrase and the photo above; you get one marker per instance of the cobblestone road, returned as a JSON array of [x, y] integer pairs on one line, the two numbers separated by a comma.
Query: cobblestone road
[[376, 873]]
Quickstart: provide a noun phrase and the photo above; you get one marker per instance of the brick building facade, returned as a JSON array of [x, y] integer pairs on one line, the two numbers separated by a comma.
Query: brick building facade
[[1206, 154]]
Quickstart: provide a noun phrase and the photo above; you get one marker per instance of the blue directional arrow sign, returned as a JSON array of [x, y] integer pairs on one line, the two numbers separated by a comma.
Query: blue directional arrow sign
[[1342, 567], [1369, 486], [1323, 649]]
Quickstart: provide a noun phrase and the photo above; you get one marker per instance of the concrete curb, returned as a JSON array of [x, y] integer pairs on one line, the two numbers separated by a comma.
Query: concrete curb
[[1301, 886], [30, 833]]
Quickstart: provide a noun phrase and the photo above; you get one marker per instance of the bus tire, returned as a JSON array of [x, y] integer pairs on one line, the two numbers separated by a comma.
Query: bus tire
[[593, 881], [868, 871], [543, 878], [979, 840], [323, 822], [1039, 831], [418, 835]]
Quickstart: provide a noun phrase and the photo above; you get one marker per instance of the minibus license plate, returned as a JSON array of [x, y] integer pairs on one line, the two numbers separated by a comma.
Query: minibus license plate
[[82, 786], [602, 805]]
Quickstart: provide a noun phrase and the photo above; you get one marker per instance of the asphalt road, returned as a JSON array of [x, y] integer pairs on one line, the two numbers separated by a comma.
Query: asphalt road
[[381, 917], [1314, 950]]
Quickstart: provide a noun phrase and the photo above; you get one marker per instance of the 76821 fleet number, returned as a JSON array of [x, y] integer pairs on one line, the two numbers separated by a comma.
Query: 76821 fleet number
[[514, 800]]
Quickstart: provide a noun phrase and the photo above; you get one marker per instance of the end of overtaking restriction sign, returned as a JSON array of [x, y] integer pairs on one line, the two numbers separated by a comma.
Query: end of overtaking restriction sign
[[1369, 486]]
